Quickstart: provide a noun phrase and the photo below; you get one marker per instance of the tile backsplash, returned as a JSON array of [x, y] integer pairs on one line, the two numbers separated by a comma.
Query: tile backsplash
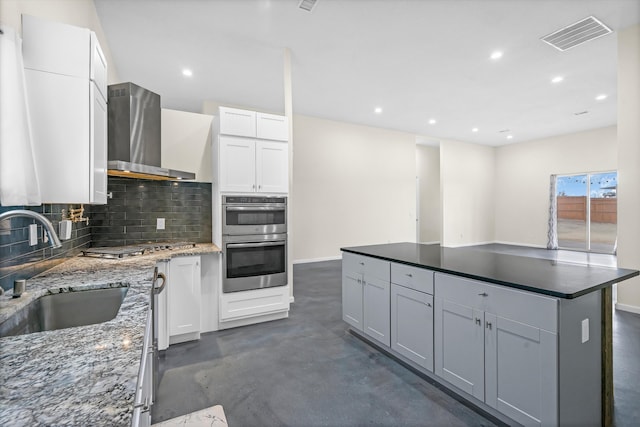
[[19, 260], [129, 217]]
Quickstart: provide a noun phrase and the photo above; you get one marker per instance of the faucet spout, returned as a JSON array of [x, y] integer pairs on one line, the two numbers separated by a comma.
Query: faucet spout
[[54, 241]]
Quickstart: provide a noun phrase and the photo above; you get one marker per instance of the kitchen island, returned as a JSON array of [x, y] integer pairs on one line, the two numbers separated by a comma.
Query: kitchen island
[[524, 339], [83, 375]]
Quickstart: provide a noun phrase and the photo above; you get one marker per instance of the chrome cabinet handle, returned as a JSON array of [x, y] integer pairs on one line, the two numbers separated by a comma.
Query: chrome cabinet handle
[[362, 263], [359, 281], [428, 304], [488, 325], [409, 275], [478, 322], [484, 294]]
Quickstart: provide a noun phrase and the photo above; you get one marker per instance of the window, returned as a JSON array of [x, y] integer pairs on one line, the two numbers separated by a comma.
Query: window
[[586, 214]]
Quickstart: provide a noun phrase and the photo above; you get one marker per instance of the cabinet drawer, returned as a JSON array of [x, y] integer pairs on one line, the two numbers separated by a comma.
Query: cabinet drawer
[[370, 267], [416, 278], [271, 126], [237, 122], [522, 306]]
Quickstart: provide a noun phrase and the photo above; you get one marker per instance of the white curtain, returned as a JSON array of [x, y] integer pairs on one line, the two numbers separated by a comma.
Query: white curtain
[[18, 175], [552, 234]]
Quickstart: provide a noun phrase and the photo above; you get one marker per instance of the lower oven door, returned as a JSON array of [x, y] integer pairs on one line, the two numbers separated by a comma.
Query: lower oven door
[[254, 262]]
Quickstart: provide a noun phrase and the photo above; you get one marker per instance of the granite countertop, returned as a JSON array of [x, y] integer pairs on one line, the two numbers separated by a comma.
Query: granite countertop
[[83, 375], [543, 276]]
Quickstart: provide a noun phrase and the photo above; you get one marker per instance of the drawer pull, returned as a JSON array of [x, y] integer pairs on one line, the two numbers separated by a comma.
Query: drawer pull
[[428, 304], [478, 322], [359, 281], [489, 325], [484, 294], [409, 275], [362, 263]]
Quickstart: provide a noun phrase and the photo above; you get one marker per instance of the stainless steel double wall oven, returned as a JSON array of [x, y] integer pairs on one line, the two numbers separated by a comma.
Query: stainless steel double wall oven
[[254, 242]]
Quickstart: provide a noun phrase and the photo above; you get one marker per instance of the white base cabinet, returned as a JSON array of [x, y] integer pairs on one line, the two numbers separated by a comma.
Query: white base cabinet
[[366, 296], [183, 293], [500, 346], [521, 356], [412, 325]]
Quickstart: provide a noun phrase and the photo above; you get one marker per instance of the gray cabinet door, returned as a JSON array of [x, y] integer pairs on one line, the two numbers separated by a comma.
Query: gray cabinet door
[[412, 325], [352, 285], [459, 346], [521, 371], [377, 307]]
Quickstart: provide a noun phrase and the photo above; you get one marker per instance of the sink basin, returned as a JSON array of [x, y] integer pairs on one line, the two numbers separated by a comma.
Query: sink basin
[[65, 310]]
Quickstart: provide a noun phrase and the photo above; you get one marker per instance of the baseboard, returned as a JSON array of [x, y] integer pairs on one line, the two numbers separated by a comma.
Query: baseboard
[[629, 308], [463, 245], [430, 243], [306, 261], [526, 245]]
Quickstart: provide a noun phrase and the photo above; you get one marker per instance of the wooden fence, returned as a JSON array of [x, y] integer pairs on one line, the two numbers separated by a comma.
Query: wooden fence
[[575, 207]]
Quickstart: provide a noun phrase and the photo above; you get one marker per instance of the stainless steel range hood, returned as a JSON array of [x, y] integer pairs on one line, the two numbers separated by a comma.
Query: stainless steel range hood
[[134, 135]]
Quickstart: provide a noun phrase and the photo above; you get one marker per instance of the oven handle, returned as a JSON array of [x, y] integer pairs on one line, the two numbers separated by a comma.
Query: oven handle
[[255, 208], [255, 245]]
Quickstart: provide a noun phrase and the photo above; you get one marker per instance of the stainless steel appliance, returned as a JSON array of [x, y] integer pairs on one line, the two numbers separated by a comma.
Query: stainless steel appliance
[[254, 242], [134, 134], [116, 252], [254, 215], [155, 291]]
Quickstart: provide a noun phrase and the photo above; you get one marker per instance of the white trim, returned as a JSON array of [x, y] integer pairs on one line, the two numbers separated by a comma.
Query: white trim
[[628, 308], [468, 244], [430, 243], [305, 261], [527, 245]]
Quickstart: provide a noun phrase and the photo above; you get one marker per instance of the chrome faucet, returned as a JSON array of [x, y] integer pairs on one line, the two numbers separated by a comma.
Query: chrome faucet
[[54, 241]]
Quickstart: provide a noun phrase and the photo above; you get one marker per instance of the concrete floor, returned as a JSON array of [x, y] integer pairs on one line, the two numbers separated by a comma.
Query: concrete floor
[[308, 371]]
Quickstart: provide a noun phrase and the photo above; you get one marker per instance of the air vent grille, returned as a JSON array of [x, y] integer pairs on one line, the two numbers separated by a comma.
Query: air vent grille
[[575, 34], [307, 5]]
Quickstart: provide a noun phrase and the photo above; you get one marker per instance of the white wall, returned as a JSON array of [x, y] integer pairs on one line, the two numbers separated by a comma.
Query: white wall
[[466, 193], [523, 172], [629, 164], [428, 169], [81, 13], [353, 185], [186, 143]]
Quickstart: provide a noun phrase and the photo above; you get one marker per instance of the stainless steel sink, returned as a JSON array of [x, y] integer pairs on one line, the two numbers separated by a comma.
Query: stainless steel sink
[[65, 310]]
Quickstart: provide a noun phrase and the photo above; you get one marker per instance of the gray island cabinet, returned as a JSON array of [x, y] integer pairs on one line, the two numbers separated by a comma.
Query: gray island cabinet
[[526, 340]]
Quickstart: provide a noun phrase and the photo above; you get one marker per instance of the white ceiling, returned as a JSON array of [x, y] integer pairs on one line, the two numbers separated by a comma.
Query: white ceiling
[[415, 59]]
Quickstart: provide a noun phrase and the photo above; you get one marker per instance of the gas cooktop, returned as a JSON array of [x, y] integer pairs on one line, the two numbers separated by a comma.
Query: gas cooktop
[[116, 252]]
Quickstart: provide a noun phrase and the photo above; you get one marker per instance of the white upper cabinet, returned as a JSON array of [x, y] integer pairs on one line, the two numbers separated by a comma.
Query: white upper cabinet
[[252, 154], [272, 126], [272, 167], [251, 124], [66, 75], [237, 122], [238, 165]]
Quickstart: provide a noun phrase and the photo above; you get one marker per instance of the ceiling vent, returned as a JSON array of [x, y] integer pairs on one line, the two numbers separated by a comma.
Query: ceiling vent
[[307, 5], [575, 34]]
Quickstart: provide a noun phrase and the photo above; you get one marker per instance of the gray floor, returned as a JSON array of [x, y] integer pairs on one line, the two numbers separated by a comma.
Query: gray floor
[[308, 371]]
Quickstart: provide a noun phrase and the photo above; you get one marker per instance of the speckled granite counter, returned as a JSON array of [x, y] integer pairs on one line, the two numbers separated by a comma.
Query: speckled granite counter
[[84, 375]]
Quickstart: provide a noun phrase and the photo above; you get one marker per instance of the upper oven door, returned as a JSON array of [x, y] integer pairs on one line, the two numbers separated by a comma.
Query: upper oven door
[[254, 219]]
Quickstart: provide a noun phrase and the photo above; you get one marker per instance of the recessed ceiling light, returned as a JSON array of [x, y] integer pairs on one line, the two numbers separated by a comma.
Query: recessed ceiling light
[[601, 97], [509, 136], [474, 130], [557, 79], [187, 72], [432, 121], [495, 55], [378, 110]]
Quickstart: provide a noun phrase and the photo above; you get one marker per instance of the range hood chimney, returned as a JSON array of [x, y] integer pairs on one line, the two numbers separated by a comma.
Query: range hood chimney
[[134, 135]]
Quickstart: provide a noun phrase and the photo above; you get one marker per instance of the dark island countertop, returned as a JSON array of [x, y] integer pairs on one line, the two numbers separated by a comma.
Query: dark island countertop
[[539, 275]]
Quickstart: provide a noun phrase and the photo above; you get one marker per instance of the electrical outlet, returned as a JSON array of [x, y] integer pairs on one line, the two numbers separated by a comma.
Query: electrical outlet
[[585, 331], [33, 234], [160, 224]]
